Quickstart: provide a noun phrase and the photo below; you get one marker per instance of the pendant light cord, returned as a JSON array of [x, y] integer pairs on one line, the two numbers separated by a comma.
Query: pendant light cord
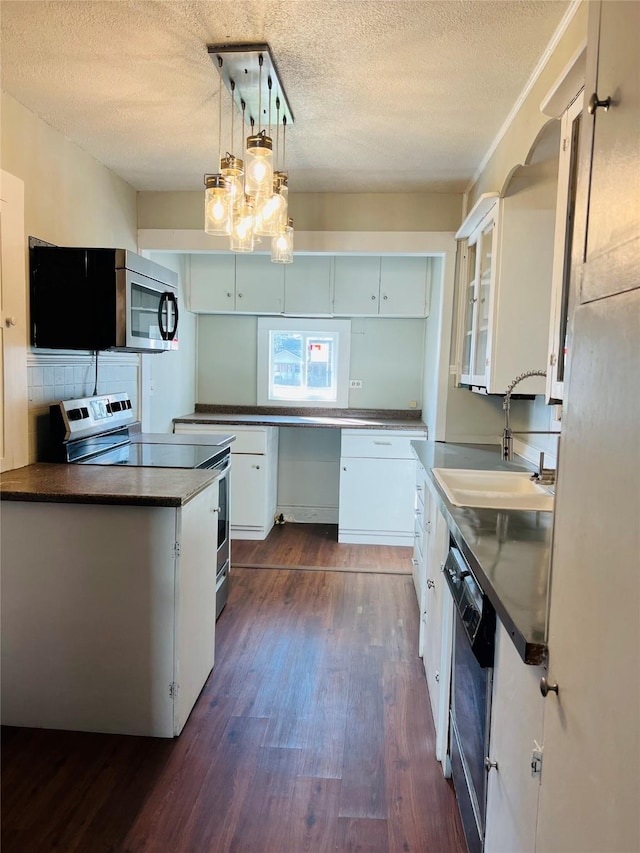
[[219, 115], [277, 131]]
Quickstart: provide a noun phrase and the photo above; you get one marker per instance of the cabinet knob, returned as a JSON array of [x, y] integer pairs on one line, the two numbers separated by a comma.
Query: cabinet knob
[[10, 321], [256, 466], [546, 688], [229, 295], [344, 469], [595, 102], [437, 677], [373, 298], [430, 583], [489, 764], [239, 296], [385, 297]]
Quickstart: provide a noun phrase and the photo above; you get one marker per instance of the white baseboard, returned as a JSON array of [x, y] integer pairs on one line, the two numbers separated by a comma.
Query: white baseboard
[[309, 514], [368, 537]]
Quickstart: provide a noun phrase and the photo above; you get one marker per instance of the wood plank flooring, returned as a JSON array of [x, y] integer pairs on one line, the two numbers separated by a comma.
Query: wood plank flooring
[[315, 546], [313, 733]]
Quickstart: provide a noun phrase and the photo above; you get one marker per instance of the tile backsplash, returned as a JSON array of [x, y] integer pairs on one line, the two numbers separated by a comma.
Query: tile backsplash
[[65, 376]]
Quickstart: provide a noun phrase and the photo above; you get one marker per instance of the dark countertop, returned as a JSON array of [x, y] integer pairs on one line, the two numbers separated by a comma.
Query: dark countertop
[[92, 484], [509, 551], [305, 417]]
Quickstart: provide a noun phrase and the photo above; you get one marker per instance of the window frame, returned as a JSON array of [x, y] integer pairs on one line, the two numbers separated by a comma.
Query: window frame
[[340, 329]]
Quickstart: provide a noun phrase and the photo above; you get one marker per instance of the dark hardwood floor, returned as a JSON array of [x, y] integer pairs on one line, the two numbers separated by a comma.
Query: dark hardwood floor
[[315, 546], [313, 733]]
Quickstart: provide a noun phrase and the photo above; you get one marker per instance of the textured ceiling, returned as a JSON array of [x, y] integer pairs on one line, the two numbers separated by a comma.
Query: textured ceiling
[[387, 96]]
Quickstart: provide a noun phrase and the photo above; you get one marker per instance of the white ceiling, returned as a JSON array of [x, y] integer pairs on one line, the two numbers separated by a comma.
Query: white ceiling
[[388, 96]]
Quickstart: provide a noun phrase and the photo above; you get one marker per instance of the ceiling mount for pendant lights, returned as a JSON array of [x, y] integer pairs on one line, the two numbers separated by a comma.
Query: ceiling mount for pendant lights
[[259, 190]]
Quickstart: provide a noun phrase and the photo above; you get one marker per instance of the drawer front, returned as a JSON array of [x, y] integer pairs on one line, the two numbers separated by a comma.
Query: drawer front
[[249, 439], [385, 444]]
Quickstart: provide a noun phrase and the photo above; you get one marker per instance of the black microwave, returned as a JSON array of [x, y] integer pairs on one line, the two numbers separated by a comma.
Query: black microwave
[[101, 299]]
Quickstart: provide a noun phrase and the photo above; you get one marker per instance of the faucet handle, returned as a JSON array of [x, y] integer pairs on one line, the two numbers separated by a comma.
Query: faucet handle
[[545, 476]]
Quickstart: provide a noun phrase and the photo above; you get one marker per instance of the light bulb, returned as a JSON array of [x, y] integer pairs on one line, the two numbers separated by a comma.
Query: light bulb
[[216, 208]]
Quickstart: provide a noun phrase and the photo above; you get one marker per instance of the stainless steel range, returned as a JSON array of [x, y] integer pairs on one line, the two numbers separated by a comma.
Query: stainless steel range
[[102, 430]]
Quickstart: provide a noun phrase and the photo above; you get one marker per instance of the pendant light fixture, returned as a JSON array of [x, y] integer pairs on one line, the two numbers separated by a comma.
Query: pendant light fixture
[[232, 167], [282, 245], [257, 196], [216, 204]]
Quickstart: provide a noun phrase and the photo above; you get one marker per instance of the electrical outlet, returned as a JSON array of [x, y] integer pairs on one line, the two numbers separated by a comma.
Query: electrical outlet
[[355, 383], [413, 404]]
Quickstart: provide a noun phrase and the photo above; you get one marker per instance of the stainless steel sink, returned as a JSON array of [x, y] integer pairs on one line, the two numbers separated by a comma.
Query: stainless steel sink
[[494, 489]]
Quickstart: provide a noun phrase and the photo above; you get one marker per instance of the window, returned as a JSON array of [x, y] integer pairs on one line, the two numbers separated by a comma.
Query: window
[[303, 362]]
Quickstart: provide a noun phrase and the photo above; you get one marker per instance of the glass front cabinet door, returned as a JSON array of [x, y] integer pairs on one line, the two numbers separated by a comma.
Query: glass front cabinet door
[[477, 272]]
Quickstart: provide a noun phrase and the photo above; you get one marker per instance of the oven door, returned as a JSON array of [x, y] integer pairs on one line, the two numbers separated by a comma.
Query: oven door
[[223, 552]]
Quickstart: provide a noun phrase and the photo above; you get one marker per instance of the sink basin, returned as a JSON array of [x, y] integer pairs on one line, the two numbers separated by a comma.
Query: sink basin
[[494, 489]]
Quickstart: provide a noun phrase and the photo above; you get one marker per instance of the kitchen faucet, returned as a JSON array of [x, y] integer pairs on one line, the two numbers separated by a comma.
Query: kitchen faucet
[[507, 433]]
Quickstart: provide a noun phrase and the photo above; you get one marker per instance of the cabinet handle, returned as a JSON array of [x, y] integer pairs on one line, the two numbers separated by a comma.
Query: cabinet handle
[[473, 299], [386, 443], [437, 678], [546, 688], [489, 764], [256, 466], [595, 102], [217, 509], [414, 562], [430, 583]]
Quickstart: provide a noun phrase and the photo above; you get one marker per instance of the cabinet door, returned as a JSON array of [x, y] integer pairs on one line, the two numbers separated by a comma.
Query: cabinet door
[[259, 285], [195, 600], [516, 723], [247, 490], [467, 308], [436, 644], [212, 283], [356, 285], [484, 280], [565, 213], [14, 450], [610, 151], [376, 499], [403, 287], [307, 285]]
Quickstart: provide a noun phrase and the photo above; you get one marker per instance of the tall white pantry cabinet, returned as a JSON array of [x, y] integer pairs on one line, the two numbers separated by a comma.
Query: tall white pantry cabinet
[[108, 613]]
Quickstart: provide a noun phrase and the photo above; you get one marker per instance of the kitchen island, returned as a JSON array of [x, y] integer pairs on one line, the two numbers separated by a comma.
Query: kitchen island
[[108, 596]]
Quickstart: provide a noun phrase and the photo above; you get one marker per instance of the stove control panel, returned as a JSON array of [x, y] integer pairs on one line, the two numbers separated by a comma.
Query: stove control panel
[[89, 415]]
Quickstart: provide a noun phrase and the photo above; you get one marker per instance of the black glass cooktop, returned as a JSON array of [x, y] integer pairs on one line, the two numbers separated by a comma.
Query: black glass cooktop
[[158, 456]]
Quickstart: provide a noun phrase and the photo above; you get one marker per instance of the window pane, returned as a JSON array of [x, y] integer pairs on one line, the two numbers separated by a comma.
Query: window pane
[[302, 366]]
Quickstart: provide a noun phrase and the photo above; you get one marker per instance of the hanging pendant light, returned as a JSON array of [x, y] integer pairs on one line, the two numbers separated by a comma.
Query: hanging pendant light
[[216, 198], [258, 179], [257, 189], [232, 167], [282, 245], [216, 205], [242, 228]]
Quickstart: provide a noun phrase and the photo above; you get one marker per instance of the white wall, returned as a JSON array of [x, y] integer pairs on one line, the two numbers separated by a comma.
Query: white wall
[[169, 378], [386, 354]]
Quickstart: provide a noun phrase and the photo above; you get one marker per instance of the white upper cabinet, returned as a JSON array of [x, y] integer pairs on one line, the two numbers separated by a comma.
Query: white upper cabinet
[[212, 283], [357, 285], [404, 287], [505, 275], [389, 286], [307, 285], [224, 283], [313, 285], [259, 285]]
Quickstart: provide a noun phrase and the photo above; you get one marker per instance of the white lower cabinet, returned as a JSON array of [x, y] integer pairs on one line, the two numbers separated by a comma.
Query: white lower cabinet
[[436, 616], [108, 614], [516, 729], [253, 484], [377, 487]]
